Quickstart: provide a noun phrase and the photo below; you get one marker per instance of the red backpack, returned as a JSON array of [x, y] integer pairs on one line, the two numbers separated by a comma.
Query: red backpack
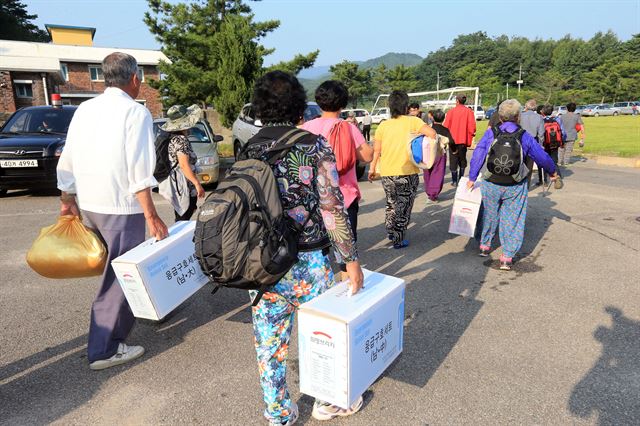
[[343, 146], [552, 133]]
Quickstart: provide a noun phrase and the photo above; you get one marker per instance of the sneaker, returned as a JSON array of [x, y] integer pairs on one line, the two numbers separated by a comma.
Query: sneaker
[[125, 354], [505, 265], [325, 411], [484, 252], [402, 244], [558, 183], [293, 416]]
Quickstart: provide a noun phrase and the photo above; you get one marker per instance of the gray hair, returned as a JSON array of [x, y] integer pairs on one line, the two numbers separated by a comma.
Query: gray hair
[[509, 110], [118, 68], [531, 105]]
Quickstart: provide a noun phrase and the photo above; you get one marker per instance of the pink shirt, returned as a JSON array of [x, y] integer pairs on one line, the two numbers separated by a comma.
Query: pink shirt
[[348, 181]]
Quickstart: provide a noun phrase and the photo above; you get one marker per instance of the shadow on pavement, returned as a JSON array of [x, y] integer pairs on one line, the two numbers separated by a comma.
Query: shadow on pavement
[[440, 299], [610, 388], [45, 386]]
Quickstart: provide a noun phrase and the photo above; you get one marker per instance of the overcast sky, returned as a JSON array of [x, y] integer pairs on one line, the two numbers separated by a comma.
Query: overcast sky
[[364, 29]]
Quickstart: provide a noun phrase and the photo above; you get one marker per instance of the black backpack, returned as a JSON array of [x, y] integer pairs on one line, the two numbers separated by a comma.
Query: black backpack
[[505, 160], [163, 164], [243, 238]]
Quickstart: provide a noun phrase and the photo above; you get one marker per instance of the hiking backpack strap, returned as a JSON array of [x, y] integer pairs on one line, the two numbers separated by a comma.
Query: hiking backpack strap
[[282, 146]]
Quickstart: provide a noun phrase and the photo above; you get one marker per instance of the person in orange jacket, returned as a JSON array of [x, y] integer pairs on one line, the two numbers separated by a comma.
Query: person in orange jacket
[[461, 122]]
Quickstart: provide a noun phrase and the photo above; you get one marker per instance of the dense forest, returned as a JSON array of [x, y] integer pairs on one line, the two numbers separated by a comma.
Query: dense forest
[[601, 69]]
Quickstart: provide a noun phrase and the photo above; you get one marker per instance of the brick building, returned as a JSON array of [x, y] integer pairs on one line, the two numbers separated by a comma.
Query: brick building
[[30, 72]]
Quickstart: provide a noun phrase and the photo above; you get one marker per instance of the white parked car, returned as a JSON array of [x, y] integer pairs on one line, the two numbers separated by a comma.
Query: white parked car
[[559, 110], [378, 115], [598, 110], [246, 125], [479, 112], [359, 112]]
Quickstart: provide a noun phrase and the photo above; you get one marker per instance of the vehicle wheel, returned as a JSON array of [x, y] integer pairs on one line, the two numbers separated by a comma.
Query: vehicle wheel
[[596, 115], [360, 171], [236, 150], [615, 113], [3, 192]]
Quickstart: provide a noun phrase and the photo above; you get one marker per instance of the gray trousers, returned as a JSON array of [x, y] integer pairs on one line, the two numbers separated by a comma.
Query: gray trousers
[[564, 153], [111, 316]]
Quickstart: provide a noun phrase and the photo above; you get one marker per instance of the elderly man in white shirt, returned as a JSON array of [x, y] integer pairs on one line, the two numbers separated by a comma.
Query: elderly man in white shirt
[[106, 172]]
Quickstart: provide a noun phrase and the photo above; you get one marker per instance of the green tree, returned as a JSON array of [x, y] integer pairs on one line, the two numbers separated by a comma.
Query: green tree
[[402, 78], [202, 40], [297, 64], [613, 82], [240, 59], [478, 75], [358, 81], [549, 85], [379, 79], [15, 23]]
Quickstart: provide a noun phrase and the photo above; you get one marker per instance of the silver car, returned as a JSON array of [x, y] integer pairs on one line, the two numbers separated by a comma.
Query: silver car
[[628, 107], [598, 110], [205, 145], [246, 125]]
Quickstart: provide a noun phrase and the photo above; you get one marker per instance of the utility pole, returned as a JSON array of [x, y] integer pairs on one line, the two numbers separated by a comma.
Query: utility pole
[[519, 80], [507, 91], [438, 85]]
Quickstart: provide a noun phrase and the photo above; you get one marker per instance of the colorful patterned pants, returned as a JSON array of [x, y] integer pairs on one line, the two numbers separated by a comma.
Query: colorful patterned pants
[[401, 193], [272, 323], [505, 206]]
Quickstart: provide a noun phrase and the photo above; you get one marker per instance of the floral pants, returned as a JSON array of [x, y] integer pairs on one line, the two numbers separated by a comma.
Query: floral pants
[[401, 193], [272, 323], [505, 206]]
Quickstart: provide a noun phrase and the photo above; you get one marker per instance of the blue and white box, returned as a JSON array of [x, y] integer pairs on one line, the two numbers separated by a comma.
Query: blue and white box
[[157, 276], [346, 342]]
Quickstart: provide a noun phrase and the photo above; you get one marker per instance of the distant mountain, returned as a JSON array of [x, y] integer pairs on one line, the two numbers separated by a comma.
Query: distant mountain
[[316, 75], [392, 60], [314, 72]]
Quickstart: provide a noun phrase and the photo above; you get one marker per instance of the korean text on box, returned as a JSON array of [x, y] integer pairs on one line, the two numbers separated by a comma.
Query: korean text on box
[[157, 276], [346, 342]]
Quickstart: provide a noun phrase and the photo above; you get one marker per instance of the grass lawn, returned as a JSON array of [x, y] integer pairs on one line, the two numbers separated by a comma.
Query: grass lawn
[[616, 136], [225, 150]]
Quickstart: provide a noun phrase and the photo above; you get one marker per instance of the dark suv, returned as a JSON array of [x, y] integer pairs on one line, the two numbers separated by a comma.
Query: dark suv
[[31, 142]]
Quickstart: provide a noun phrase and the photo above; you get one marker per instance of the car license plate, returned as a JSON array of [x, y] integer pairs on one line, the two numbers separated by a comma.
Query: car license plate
[[18, 163]]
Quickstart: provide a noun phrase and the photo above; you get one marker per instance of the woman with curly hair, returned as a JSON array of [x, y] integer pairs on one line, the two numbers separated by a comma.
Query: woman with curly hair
[[309, 190], [399, 175]]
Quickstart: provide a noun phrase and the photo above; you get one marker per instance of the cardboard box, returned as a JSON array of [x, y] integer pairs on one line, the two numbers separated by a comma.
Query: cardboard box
[[157, 276], [346, 342], [466, 207]]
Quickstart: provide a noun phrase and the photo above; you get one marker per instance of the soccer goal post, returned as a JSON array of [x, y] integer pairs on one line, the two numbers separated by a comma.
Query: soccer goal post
[[443, 99]]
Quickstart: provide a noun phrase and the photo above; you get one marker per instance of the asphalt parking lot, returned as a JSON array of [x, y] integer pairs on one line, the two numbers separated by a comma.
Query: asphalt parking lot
[[555, 341]]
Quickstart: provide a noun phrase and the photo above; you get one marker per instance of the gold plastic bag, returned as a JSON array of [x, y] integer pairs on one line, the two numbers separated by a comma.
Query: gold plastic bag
[[67, 249]]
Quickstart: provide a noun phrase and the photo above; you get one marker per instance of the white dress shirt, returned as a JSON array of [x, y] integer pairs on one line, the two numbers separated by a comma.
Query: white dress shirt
[[109, 154]]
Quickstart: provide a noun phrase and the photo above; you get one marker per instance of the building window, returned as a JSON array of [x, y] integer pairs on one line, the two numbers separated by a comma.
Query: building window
[[23, 90], [141, 74], [96, 73], [65, 71]]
